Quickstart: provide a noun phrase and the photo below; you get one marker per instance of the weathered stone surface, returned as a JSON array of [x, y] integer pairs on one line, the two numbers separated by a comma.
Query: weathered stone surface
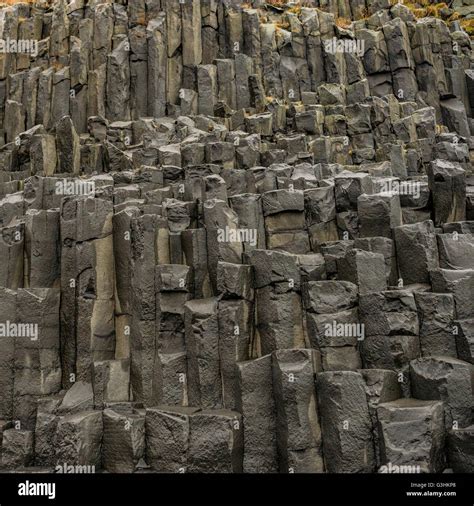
[[436, 314], [17, 448], [464, 332], [257, 405], [458, 282], [348, 187], [298, 429], [202, 343], [79, 439], [417, 251], [379, 214], [456, 251], [80, 397], [345, 422], [447, 185], [111, 382], [392, 312], [461, 450], [272, 267], [123, 441], [279, 319], [199, 197], [402, 424], [446, 379], [224, 452], [167, 432], [381, 386], [329, 296], [363, 268]]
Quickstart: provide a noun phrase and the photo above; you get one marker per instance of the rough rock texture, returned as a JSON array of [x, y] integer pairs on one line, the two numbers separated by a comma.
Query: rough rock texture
[[237, 236]]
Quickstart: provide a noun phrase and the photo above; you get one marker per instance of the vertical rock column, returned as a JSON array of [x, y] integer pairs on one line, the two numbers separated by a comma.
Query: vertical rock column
[[173, 286], [42, 248], [37, 360], [143, 306], [345, 421], [235, 286], [12, 242], [332, 320], [298, 430], [202, 347], [8, 313], [279, 314], [257, 405], [224, 241], [391, 332], [422, 446], [123, 257], [87, 285], [156, 35], [285, 221]]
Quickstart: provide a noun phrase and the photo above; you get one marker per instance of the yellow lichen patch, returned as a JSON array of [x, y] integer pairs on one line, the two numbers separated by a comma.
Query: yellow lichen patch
[[277, 3], [343, 23], [296, 9], [454, 17], [282, 25], [5, 3], [468, 26], [435, 10], [425, 8]]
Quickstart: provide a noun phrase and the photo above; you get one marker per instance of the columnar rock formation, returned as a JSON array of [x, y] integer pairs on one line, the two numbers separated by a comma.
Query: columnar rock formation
[[236, 237]]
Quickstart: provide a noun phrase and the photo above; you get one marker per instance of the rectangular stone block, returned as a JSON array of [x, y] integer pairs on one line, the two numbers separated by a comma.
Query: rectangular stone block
[[257, 405]]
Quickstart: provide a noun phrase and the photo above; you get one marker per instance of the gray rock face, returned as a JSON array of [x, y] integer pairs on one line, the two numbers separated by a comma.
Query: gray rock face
[[345, 422], [17, 448], [235, 235], [298, 429], [458, 282], [391, 312], [79, 439], [257, 405], [222, 454], [448, 380], [381, 386], [202, 343], [402, 424], [167, 438], [329, 296], [123, 441], [456, 251], [461, 450], [80, 397], [436, 312], [365, 269], [464, 331], [416, 251], [448, 188]]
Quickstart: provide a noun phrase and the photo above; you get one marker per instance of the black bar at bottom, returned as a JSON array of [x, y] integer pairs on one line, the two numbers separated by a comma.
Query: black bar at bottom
[[219, 490]]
